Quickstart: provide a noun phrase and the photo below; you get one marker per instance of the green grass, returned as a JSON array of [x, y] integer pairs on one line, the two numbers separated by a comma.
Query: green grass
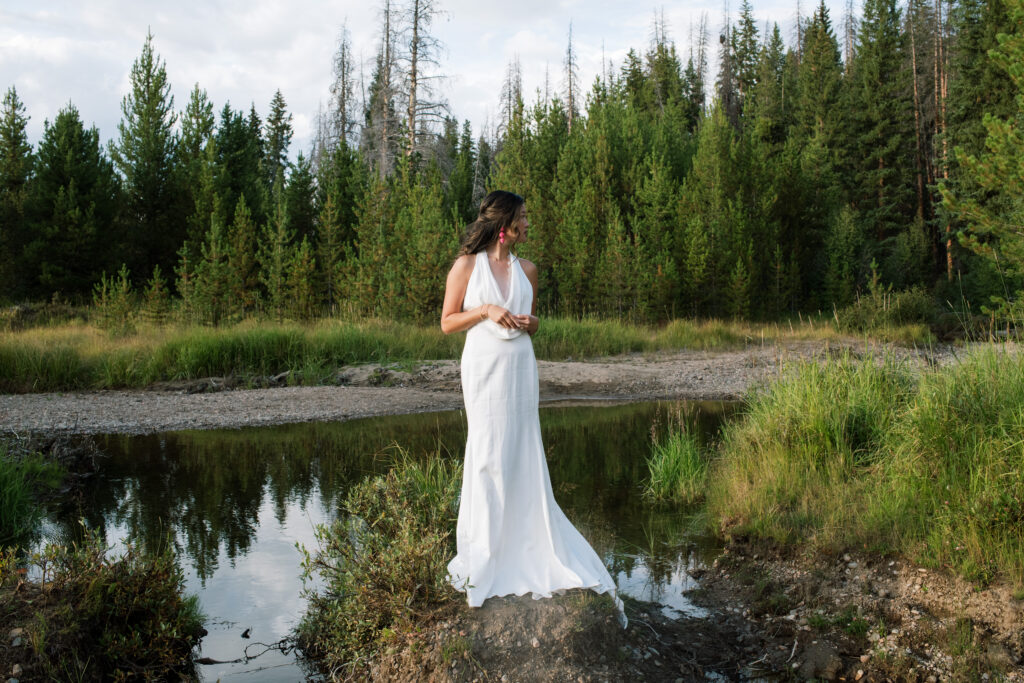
[[75, 355], [678, 469], [22, 475], [865, 455]]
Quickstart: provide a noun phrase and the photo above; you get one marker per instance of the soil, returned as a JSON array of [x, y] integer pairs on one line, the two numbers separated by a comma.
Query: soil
[[372, 390], [853, 618]]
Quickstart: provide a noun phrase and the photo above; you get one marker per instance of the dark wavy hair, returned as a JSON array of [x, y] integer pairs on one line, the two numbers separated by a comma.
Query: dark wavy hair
[[498, 210]]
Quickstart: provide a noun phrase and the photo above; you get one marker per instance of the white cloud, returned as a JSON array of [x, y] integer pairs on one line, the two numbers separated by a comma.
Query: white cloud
[[243, 50]]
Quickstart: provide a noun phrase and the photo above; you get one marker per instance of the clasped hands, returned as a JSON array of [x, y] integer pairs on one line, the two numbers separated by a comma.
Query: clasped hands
[[528, 323]]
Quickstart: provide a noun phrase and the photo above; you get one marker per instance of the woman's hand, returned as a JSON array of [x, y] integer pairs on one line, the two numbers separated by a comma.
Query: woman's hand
[[527, 323], [502, 317]]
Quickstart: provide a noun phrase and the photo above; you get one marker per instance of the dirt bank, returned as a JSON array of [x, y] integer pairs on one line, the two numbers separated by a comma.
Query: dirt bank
[[370, 390], [853, 618]]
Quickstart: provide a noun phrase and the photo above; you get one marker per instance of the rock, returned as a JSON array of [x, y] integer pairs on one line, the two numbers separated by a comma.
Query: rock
[[864, 659], [860, 674], [998, 657], [15, 632], [16, 642], [535, 643], [16, 670], [822, 661]]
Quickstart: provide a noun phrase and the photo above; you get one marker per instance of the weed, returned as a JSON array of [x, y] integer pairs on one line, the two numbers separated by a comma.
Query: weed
[[454, 648]]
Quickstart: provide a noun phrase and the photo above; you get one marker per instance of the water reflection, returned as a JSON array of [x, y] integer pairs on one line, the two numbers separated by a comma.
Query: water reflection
[[235, 502]]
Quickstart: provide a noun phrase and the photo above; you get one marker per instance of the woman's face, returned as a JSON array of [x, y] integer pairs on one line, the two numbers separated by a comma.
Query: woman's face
[[517, 232]]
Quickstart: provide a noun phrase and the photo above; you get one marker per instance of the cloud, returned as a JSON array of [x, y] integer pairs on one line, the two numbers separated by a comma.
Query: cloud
[[243, 50]]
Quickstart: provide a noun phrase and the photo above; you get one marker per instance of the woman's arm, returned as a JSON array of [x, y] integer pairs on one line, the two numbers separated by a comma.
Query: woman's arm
[[453, 318], [530, 322]]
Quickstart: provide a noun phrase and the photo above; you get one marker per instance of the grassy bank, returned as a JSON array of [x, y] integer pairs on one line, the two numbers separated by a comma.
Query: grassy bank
[[866, 455], [382, 565], [76, 356]]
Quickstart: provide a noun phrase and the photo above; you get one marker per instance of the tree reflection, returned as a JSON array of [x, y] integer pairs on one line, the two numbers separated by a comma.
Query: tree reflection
[[205, 490]]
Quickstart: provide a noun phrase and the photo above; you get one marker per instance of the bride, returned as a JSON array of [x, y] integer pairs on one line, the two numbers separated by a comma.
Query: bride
[[512, 537]]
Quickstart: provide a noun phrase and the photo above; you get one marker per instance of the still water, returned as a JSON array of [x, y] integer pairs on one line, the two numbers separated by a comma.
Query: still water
[[235, 504]]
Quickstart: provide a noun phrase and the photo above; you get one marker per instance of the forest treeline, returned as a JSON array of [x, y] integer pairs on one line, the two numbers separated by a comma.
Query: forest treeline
[[881, 155]]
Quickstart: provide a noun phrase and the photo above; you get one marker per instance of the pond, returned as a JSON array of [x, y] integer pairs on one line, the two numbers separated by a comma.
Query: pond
[[236, 502]]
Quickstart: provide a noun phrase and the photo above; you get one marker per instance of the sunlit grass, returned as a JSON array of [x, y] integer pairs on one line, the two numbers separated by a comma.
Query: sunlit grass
[[868, 455], [77, 355]]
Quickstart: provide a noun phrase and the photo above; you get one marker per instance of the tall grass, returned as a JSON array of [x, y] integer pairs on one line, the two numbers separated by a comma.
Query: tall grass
[[864, 455], [678, 469], [76, 355], [21, 475]]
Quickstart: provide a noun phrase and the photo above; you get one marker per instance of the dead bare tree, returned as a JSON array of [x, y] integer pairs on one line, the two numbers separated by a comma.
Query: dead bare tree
[[424, 108], [343, 103], [572, 78], [380, 132], [511, 95]]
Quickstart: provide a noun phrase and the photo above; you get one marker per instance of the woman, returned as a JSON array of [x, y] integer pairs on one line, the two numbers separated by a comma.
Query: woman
[[512, 537]]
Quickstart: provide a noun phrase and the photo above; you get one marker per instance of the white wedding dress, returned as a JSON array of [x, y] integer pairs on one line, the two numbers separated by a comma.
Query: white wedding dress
[[512, 537]]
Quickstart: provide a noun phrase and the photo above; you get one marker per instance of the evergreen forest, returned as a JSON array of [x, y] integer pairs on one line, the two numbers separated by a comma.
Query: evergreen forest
[[878, 154]]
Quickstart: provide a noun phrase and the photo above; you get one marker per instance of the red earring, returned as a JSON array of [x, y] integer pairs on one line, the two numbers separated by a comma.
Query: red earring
[[501, 236]]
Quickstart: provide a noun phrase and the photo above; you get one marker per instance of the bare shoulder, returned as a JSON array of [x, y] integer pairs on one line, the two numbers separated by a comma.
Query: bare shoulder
[[529, 268], [463, 266]]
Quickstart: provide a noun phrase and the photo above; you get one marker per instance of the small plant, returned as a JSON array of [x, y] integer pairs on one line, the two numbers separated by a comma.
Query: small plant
[[678, 464], [156, 300], [113, 301], [454, 648]]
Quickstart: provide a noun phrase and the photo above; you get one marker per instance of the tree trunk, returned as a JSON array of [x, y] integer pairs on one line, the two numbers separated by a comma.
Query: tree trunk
[[413, 62]]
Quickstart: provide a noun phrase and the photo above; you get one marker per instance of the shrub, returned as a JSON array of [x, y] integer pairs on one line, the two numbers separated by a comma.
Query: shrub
[[110, 619], [383, 563]]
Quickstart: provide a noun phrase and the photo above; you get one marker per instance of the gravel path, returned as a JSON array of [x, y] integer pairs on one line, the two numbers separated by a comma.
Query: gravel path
[[370, 390]]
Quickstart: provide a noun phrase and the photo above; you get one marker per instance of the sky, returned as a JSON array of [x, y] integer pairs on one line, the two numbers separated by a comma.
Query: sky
[[242, 51]]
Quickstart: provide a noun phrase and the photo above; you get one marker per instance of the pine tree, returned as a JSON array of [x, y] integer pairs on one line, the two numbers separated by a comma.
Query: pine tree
[[842, 251], [242, 244], [156, 299], [113, 302], [278, 135], [617, 286], [239, 153], [765, 108], [331, 248], [144, 155], [654, 230], [460, 182], [302, 299], [214, 279], [15, 172], [993, 228], [745, 50], [275, 259], [429, 239], [880, 127], [196, 160], [300, 198], [72, 205]]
